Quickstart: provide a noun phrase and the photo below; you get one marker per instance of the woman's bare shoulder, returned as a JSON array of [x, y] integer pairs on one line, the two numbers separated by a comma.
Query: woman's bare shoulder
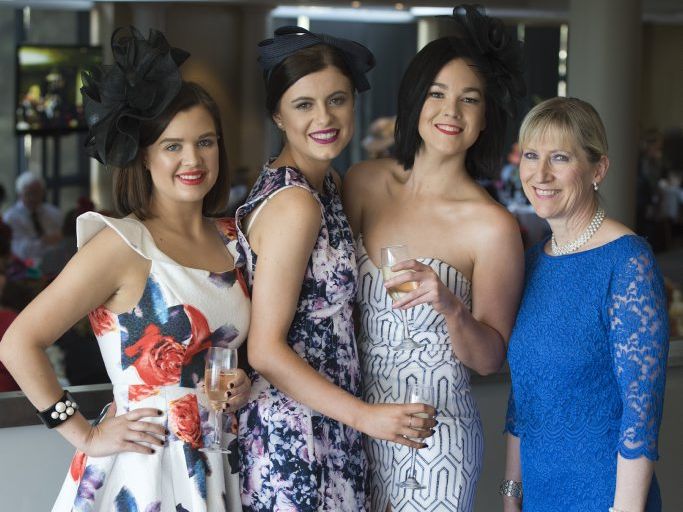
[[488, 217], [371, 170]]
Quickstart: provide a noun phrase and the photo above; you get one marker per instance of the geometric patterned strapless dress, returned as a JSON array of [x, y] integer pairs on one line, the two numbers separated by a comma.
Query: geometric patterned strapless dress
[[450, 465]]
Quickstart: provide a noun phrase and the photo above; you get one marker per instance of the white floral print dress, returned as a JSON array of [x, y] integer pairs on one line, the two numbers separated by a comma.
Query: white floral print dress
[[154, 356]]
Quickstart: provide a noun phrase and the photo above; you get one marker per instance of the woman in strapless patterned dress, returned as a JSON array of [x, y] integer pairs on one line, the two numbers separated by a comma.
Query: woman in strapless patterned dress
[[467, 260]]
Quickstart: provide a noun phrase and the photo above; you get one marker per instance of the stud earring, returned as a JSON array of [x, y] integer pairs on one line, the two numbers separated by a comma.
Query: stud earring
[[595, 186]]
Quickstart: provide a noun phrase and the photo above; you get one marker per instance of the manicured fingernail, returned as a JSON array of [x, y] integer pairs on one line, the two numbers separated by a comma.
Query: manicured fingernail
[[166, 432], [160, 412], [232, 385], [424, 445], [228, 393], [152, 450]]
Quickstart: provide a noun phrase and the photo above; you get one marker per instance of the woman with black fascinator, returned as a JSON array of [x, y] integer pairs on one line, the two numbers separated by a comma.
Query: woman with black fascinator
[[300, 433], [161, 287], [459, 284]]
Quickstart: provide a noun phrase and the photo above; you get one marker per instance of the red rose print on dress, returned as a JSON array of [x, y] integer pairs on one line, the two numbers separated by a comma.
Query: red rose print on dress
[[184, 420], [200, 337], [167, 345], [157, 358], [138, 392], [102, 320], [227, 227], [77, 465]]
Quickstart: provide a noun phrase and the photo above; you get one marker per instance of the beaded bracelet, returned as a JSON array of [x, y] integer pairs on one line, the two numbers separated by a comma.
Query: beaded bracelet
[[58, 412]]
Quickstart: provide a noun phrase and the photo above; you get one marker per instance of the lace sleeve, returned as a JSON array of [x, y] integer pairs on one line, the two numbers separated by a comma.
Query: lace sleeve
[[511, 417], [640, 342]]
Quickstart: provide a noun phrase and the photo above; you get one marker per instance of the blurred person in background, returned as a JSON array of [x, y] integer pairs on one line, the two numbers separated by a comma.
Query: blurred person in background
[[57, 256], [7, 314], [36, 225]]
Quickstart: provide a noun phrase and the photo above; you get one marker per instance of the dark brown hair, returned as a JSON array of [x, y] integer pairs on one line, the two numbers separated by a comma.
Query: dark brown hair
[[133, 183], [304, 62]]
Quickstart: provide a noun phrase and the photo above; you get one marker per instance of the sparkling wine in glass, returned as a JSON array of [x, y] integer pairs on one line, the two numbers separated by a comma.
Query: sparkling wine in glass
[[219, 372], [416, 394], [392, 255]]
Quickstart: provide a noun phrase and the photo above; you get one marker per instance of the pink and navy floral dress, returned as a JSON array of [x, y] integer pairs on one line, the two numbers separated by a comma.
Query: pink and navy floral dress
[[154, 356], [291, 457]]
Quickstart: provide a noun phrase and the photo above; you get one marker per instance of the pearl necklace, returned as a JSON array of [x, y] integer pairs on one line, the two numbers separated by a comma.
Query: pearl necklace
[[592, 228]]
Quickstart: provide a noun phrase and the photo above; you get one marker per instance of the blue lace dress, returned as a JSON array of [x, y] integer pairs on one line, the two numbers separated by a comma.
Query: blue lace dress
[[291, 457], [588, 360]]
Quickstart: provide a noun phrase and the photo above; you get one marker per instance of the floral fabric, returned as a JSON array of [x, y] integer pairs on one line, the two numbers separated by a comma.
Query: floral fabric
[[293, 458], [154, 356], [588, 363]]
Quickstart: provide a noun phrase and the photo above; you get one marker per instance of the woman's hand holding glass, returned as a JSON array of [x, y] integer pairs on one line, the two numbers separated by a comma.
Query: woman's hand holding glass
[[220, 372], [429, 290], [238, 391], [405, 424], [423, 395], [391, 255]]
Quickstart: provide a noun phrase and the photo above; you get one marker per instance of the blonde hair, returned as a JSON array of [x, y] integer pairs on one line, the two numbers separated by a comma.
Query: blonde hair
[[572, 119]]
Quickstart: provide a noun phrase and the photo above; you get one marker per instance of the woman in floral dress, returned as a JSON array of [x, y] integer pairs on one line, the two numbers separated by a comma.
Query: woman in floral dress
[[162, 286], [300, 433]]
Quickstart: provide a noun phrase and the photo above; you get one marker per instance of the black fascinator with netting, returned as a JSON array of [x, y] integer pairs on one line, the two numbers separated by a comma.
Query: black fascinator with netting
[[496, 53], [290, 39], [142, 82]]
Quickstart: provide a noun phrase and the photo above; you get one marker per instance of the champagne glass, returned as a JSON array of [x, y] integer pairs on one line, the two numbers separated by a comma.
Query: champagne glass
[[416, 394], [392, 255], [219, 371]]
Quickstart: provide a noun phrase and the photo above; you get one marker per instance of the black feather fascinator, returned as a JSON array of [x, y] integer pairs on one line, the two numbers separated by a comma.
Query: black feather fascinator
[[142, 82], [494, 51]]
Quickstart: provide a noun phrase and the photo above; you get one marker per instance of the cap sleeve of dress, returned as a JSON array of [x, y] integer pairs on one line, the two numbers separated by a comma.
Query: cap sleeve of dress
[[130, 230]]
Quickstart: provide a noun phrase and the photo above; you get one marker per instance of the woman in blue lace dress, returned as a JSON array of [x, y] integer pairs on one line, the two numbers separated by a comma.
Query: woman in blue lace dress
[[589, 347], [300, 433]]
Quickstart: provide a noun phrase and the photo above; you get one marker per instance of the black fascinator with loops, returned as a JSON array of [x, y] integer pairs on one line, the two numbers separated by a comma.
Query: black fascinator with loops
[[139, 86], [494, 51]]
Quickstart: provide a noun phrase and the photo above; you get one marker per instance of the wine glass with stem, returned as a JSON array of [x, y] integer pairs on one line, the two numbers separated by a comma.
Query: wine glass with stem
[[219, 372], [391, 255], [416, 394]]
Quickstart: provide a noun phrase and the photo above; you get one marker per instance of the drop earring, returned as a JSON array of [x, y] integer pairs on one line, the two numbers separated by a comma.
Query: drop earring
[[595, 186]]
